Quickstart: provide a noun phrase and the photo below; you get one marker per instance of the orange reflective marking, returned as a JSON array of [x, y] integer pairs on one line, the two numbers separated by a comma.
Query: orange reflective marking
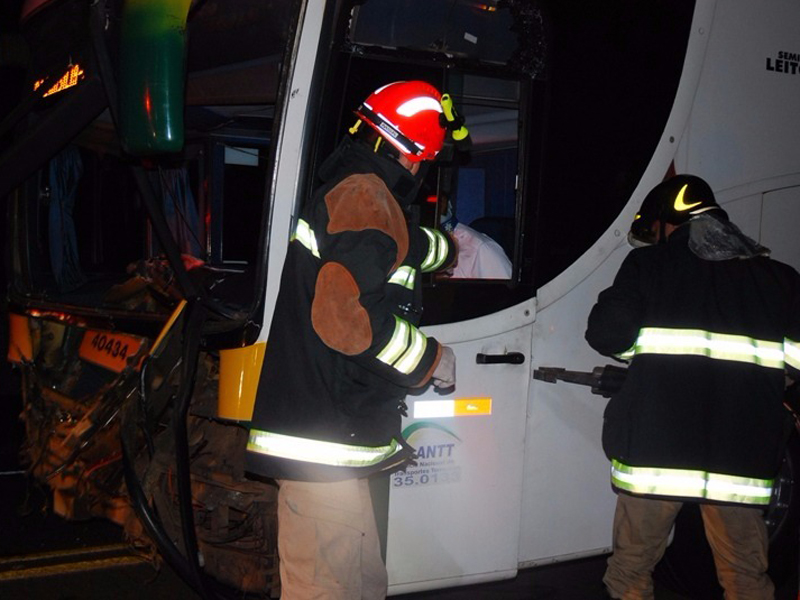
[[473, 406], [20, 344]]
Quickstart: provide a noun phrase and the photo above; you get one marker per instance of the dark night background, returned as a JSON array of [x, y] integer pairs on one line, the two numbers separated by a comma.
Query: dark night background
[[614, 70], [13, 58]]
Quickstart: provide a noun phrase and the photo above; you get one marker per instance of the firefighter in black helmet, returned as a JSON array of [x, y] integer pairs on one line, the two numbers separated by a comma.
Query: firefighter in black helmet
[[674, 202], [711, 326]]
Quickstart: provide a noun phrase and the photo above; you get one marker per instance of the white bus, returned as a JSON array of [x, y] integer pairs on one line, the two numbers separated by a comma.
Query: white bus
[[153, 170]]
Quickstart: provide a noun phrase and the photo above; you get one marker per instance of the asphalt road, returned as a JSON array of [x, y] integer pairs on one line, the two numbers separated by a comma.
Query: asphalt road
[[44, 556]]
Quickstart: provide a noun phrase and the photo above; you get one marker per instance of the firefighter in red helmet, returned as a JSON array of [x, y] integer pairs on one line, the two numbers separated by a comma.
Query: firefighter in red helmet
[[711, 327], [344, 346]]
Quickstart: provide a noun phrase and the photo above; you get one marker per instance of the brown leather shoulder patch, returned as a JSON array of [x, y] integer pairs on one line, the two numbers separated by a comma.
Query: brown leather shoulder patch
[[336, 313], [363, 201]]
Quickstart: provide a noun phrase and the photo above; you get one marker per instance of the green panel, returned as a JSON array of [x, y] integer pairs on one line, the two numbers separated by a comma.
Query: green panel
[[153, 73]]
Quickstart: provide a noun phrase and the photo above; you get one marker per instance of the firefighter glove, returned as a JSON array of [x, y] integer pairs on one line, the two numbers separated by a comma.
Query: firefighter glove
[[444, 376]]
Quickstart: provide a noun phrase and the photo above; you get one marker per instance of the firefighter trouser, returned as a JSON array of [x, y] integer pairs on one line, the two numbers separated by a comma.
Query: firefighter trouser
[[328, 542], [737, 536]]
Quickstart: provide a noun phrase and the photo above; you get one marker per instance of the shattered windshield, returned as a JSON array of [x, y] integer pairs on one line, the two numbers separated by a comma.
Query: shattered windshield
[[95, 219]]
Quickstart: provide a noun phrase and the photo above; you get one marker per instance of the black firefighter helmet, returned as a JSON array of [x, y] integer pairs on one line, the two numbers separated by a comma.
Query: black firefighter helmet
[[674, 201]]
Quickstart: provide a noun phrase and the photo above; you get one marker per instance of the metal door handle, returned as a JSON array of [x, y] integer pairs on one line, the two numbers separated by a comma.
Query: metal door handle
[[511, 358]]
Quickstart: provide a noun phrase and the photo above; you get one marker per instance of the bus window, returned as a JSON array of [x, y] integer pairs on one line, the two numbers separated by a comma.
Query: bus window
[[84, 238], [474, 193], [478, 201], [486, 195], [482, 199], [234, 201]]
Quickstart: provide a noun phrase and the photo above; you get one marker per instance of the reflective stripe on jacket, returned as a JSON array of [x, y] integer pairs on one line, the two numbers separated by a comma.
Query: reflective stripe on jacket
[[344, 345], [317, 451], [686, 483], [721, 346], [406, 346], [700, 415]]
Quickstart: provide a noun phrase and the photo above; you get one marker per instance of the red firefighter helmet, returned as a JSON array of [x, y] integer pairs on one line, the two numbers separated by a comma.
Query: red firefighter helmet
[[406, 114]]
